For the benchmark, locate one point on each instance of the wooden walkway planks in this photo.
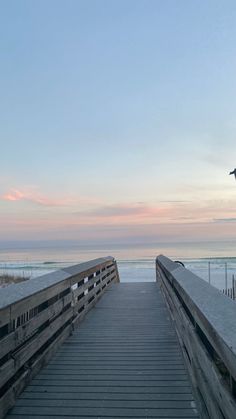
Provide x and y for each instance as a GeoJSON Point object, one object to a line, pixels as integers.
{"type": "Point", "coordinates": [124, 361]}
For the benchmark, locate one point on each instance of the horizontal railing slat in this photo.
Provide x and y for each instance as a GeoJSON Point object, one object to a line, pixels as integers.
{"type": "Point", "coordinates": [38, 287]}
{"type": "Point", "coordinates": [14, 339]}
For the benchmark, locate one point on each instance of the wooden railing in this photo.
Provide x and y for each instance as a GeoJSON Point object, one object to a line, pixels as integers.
{"type": "Point", "coordinates": [37, 315]}
{"type": "Point", "coordinates": [205, 321]}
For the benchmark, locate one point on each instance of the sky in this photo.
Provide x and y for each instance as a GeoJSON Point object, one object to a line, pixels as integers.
{"type": "Point", "coordinates": [117, 120]}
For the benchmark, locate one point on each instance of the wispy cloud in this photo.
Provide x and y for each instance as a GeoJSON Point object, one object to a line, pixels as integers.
{"type": "Point", "coordinates": [124, 210]}
{"type": "Point", "coordinates": [175, 202]}
{"type": "Point", "coordinates": [117, 211]}
{"type": "Point", "coordinates": [224, 220]}
{"type": "Point", "coordinates": [32, 196]}
{"type": "Point", "coordinates": [13, 195]}
{"type": "Point", "coordinates": [91, 218]}
{"type": "Point", "coordinates": [171, 212]}
{"type": "Point", "coordinates": [130, 212]}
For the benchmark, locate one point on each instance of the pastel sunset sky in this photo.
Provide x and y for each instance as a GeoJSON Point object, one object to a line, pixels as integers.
{"type": "Point", "coordinates": [118, 120]}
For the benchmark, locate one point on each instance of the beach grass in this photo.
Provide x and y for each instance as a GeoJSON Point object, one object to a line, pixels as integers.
{"type": "Point", "coordinates": [6, 279]}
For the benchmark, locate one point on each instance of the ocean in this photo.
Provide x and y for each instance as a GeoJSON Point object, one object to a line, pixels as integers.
{"type": "Point", "coordinates": [136, 262]}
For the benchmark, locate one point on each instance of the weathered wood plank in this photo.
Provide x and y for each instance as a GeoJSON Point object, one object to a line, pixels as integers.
{"type": "Point", "coordinates": [101, 403]}
{"type": "Point", "coordinates": [88, 267]}
{"type": "Point", "coordinates": [85, 417]}
{"type": "Point", "coordinates": [5, 317]}
{"type": "Point", "coordinates": [30, 294]}
{"type": "Point", "coordinates": [7, 370]}
{"type": "Point", "coordinates": [84, 287]}
{"type": "Point", "coordinates": [124, 383]}
{"type": "Point", "coordinates": [95, 367]}
{"type": "Point", "coordinates": [14, 339]}
{"type": "Point", "coordinates": [37, 395]}
{"type": "Point", "coordinates": [104, 412]}
{"type": "Point", "coordinates": [114, 364]}
{"type": "Point", "coordinates": [115, 389]}
{"type": "Point", "coordinates": [80, 417]}
{"type": "Point", "coordinates": [151, 377]}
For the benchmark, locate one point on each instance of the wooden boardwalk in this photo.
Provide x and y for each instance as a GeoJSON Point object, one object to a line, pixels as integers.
{"type": "Point", "coordinates": [124, 361]}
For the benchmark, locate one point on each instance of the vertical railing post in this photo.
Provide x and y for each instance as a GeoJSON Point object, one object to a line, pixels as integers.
{"type": "Point", "coordinates": [209, 272]}
{"type": "Point", "coordinates": [226, 277]}
{"type": "Point", "coordinates": [233, 287]}
{"type": "Point", "coordinates": [117, 272]}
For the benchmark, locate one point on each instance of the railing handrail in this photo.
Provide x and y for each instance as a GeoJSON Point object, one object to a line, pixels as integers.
{"type": "Point", "coordinates": [14, 293]}
{"type": "Point", "coordinates": [214, 313]}
{"type": "Point", "coordinates": [205, 322]}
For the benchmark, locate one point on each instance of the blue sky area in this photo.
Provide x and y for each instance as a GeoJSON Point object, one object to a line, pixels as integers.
{"type": "Point", "coordinates": [117, 119]}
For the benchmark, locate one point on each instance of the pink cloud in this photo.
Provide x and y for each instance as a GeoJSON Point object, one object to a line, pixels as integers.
{"type": "Point", "coordinates": [172, 212]}
{"type": "Point", "coordinates": [14, 195]}
{"type": "Point", "coordinates": [32, 196]}
{"type": "Point", "coordinates": [133, 213]}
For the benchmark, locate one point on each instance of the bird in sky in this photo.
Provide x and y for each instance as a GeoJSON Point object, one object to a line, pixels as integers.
{"type": "Point", "coordinates": [233, 173]}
